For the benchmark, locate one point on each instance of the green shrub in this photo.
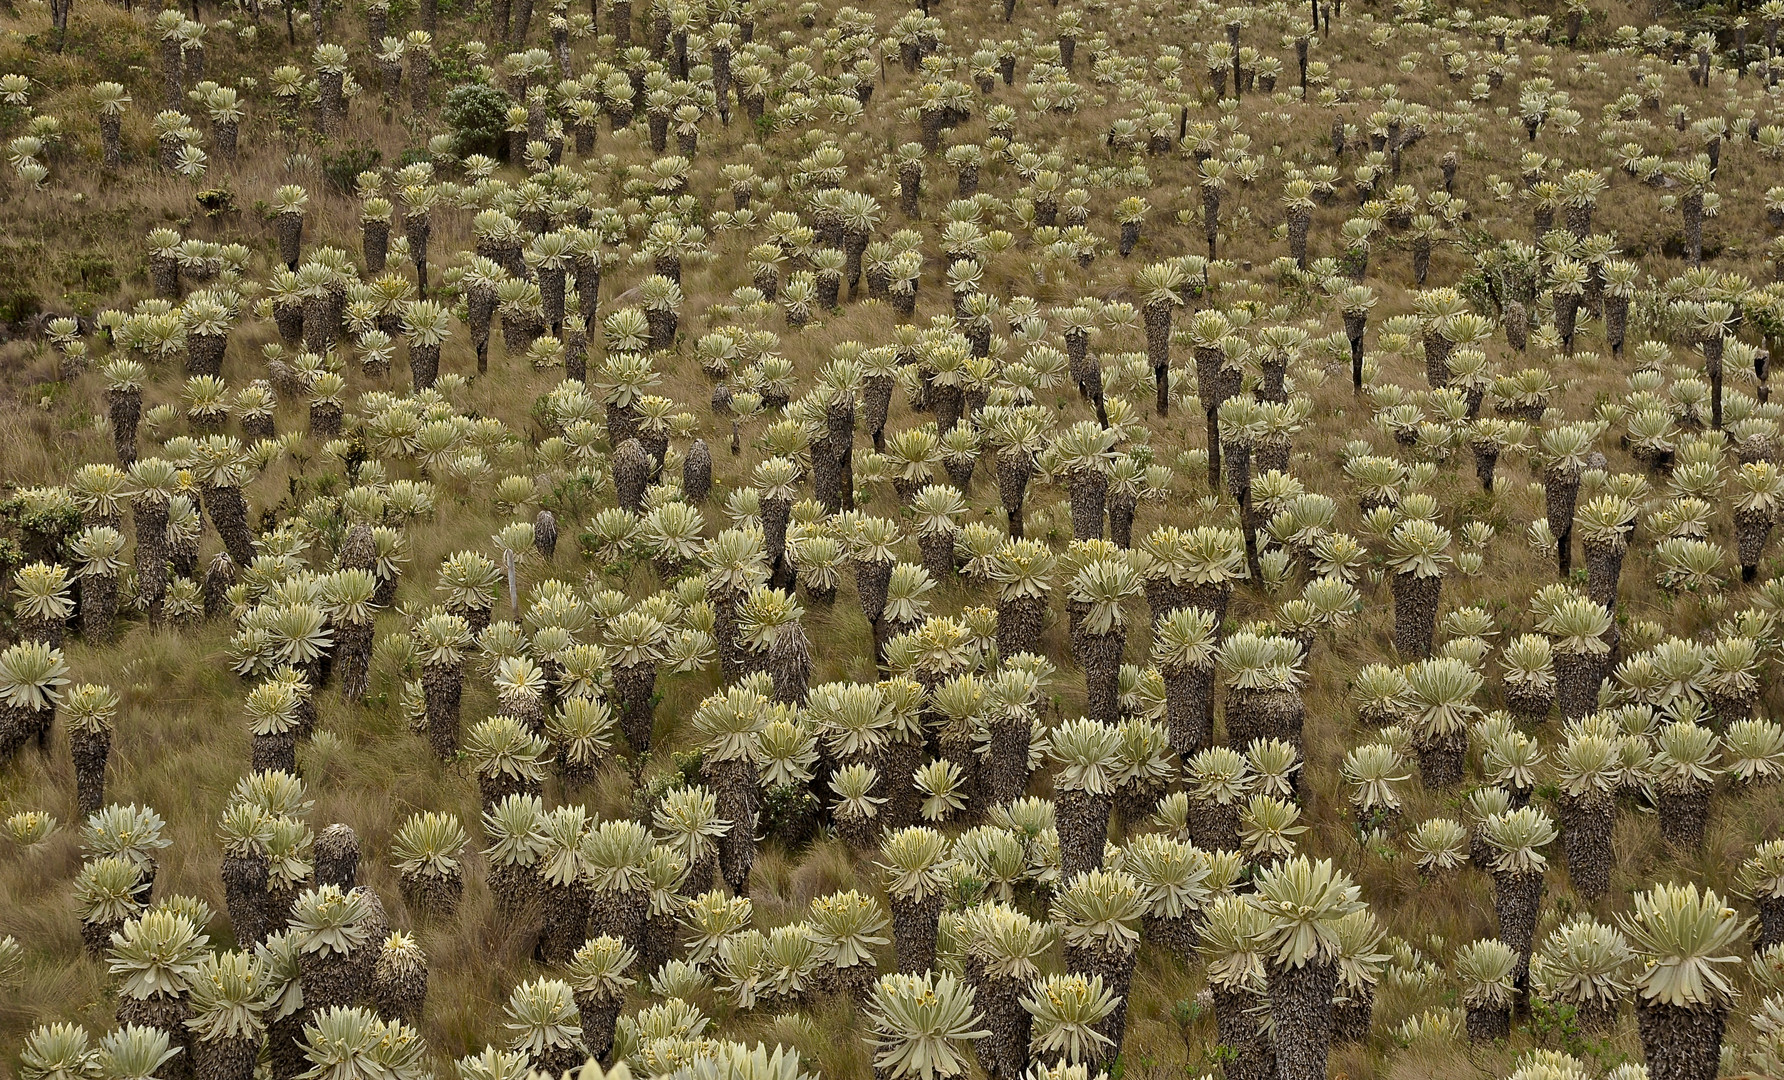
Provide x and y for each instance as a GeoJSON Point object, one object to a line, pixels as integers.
{"type": "Point", "coordinates": [87, 280]}
{"type": "Point", "coordinates": [341, 170]}
{"type": "Point", "coordinates": [788, 813]}
{"type": "Point", "coordinates": [477, 116]}
{"type": "Point", "coordinates": [18, 294]}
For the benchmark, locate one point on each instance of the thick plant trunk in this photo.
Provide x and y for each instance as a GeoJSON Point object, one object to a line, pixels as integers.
{"type": "Point", "coordinates": [904, 803]}
{"type": "Point", "coordinates": [1577, 676]}
{"type": "Point", "coordinates": [914, 925]}
{"type": "Point", "coordinates": [434, 894]}
{"type": "Point", "coordinates": [1089, 496]}
{"type": "Point", "coordinates": [244, 893]}
{"type": "Point", "coordinates": [623, 915]}
{"type": "Point", "coordinates": [1681, 1043]}
{"type": "Point", "coordinates": [99, 606]}
{"type": "Point", "coordinates": [1415, 614]}
{"type": "Point", "coordinates": [424, 365]}
{"type": "Point", "coordinates": [515, 889]}
{"type": "Point", "coordinates": [1683, 816]}
{"type": "Point", "coordinates": [1351, 1019]}
{"type": "Point", "coordinates": [125, 408]}
{"type": "Point", "coordinates": [1604, 566]}
{"type": "Point", "coordinates": [274, 752]}
{"type": "Point", "coordinates": [1587, 825]}
{"type": "Point", "coordinates": [1213, 826]}
{"type": "Point", "coordinates": [226, 1058]}
{"type": "Point", "coordinates": [228, 512]}
{"type": "Point", "coordinates": [1443, 760]}
{"type": "Point", "coordinates": [1013, 474]}
{"type": "Point", "coordinates": [441, 685]}
{"type": "Point", "coordinates": [1189, 708]}
{"type": "Point", "coordinates": [1487, 1024]}
{"type": "Point", "coordinates": [1240, 1029]}
{"type": "Point", "coordinates": [1006, 771]}
{"type": "Point", "coordinates": [353, 649]}
{"type": "Point", "coordinates": [1301, 1009]}
{"type": "Point", "coordinates": [566, 921]}
{"type": "Point", "coordinates": [90, 751]}
{"type": "Point", "coordinates": [1561, 490]}
{"type": "Point", "coordinates": [168, 1013]}
{"type": "Point", "coordinates": [1004, 1054]}
{"type": "Point", "coordinates": [1751, 529]}
{"type": "Point", "coordinates": [599, 1015]}
{"type": "Point", "coordinates": [737, 786]}
{"type": "Point", "coordinates": [1179, 936]}
{"type": "Point", "coordinates": [871, 582]}
{"type": "Point", "coordinates": [1100, 657]}
{"type": "Point", "coordinates": [1769, 930]}
{"type": "Point", "coordinates": [1019, 621]}
{"type": "Point", "coordinates": [1517, 897]}
{"type": "Point", "coordinates": [149, 514]}
{"type": "Point", "coordinates": [1083, 823]}
{"type": "Point", "coordinates": [1122, 508]}
{"type": "Point", "coordinates": [636, 684]}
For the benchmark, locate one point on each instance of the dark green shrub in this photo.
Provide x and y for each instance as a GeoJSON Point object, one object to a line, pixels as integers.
{"type": "Point", "coordinates": [46, 533]}
{"type": "Point", "coordinates": [788, 813]}
{"type": "Point", "coordinates": [86, 279]}
{"type": "Point", "coordinates": [18, 292]}
{"type": "Point", "coordinates": [342, 169]}
{"type": "Point", "coordinates": [477, 116]}
{"type": "Point", "coordinates": [217, 202]}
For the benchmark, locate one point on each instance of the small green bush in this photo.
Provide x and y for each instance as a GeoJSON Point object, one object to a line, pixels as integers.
{"type": "Point", "coordinates": [341, 170]}
{"type": "Point", "coordinates": [87, 272]}
{"type": "Point", "coordinates": [790, 815]}
{"type": "Point", "coordinates": [477, 116]}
